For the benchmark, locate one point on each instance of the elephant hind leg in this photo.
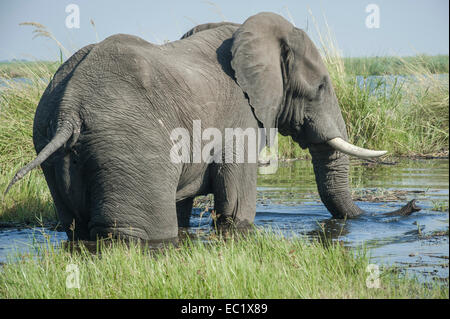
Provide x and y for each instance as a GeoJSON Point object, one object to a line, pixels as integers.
{"type": "Point", "coordinates": [133, 217]}
{"type": "Point", "coordinates": [134, 203]}
{"type": "Point", "coordinates": [75, 227]}
{"type": "Point", "coordinates": [184, 211]}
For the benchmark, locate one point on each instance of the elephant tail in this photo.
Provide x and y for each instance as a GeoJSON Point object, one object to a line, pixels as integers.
{"type": "Point", "coordinates": [63, 134]}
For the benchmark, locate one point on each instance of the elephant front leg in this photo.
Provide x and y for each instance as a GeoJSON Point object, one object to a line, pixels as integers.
{"type": "Point", "coordinates": [235, 195]}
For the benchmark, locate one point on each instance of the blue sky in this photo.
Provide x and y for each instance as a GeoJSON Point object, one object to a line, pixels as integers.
{"type": "Point", "coordinates": [406, 27]}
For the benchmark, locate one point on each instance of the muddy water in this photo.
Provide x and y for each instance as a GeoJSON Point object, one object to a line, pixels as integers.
{"type": "Point", "coordinates": [288, 202]}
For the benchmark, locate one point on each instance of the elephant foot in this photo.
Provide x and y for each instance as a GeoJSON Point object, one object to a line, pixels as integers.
{"type": "Point", "coordinates": [227, 227]}
{"type": "Point", "coordinates": [406, 210]}
{"type": "Point", "coordinates": [96, 246]}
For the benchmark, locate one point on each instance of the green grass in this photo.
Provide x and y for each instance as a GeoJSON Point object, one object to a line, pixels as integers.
{"type": "Point", "coordinates": [262, 265]}
{"type": "Point", "coordinates": [440, 206]}
{"type": "Point", "coordinates": [30, 198]}
{"type": "Point", "coordinates": [22, 69]}
{"type": "Point", "coordinates": [382, 65]}
{"type": "Point", "coordinates": [409, 119]}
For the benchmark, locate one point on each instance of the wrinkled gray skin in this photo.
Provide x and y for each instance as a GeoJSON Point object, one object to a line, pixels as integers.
{"type": "Point", "coordinates": [105, 122]}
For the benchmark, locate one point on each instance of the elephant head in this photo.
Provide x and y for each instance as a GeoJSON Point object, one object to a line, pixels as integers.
{"type": "Point", "coordinates": [288, 87]}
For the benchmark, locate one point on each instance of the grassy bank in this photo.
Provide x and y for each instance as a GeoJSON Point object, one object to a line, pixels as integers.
{"type": "Point", "coordinates": [259, 266]}
{"type": "Point", "coordinates": [365, 66]}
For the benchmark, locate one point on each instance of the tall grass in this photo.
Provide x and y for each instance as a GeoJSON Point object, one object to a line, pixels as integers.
{"type": "Point", "coordinates": [18, 100]}
{"type": "Point", "coordinates": [262, 265]}
{"type": "Point", "coordinates": [408, 117]}
{"type": "Point", "coordinates": [23, 69]}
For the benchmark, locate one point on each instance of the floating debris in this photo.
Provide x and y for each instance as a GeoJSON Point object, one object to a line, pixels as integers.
{"type": "Point", "coordinates": [382, 195]}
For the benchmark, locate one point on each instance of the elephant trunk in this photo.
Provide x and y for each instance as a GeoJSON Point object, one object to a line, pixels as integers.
{"type": "Point", "coordinates": [331, 169]}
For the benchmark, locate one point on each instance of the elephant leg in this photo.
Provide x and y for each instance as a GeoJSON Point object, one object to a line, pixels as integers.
{"type": "Point", "coordinates": [73, 225]}
{"type": "Point", "coordinates": [235, 194]}
{"type": "Point", "coordinates": [138, 204]}
{"type": "Point", "coordinates": [184, 211]}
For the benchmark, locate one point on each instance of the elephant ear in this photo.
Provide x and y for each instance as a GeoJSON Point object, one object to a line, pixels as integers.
{"type": "Point", "coordinates": [258, 54]}
{"type": "Point", "coordinates": [206, 26]}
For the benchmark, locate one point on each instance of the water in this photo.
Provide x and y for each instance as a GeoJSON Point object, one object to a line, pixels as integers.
{"type": "Point", "coordinates": [14, 242]}
{"type": "Point", "coordinates": [5, 83]}
{"type": "Point", "coordinates": [381, 85]}
{"type": "Point", "coordinates": [375, 84]}
{"type": "Point", "coordinates": [288, 202]}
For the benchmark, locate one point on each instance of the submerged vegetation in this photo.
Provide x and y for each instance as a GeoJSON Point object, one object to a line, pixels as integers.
{"type": "Point", "coordinates": [261, 265]}
{"type": "Point", "coordinates": [440, 206]}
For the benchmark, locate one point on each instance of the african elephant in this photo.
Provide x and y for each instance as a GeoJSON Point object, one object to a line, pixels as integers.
{"type": "Point", "coordinates": [102, 127]}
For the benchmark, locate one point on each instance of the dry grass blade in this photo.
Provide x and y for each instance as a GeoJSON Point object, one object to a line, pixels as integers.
{"type": "Point", "coordinates": [41, 31]}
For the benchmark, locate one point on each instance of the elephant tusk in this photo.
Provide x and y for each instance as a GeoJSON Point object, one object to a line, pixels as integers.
{"type": "Point", "coordinates": [345, 147]}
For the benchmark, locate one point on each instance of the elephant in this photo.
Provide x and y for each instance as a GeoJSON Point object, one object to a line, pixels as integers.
{"type": "Point", "coordinates": [102, 127]}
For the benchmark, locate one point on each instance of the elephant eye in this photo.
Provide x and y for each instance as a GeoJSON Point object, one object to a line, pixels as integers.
{"type": "Point", "coordinates": [320, 90]}
{"type": "Point", "coordinates": [321, 87]}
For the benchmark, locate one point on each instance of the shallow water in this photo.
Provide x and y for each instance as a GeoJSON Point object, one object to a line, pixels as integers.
{"type": "Point", "coordinates": [381, 85]}
{"type": "Point", "coordinates": [288, 202]}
